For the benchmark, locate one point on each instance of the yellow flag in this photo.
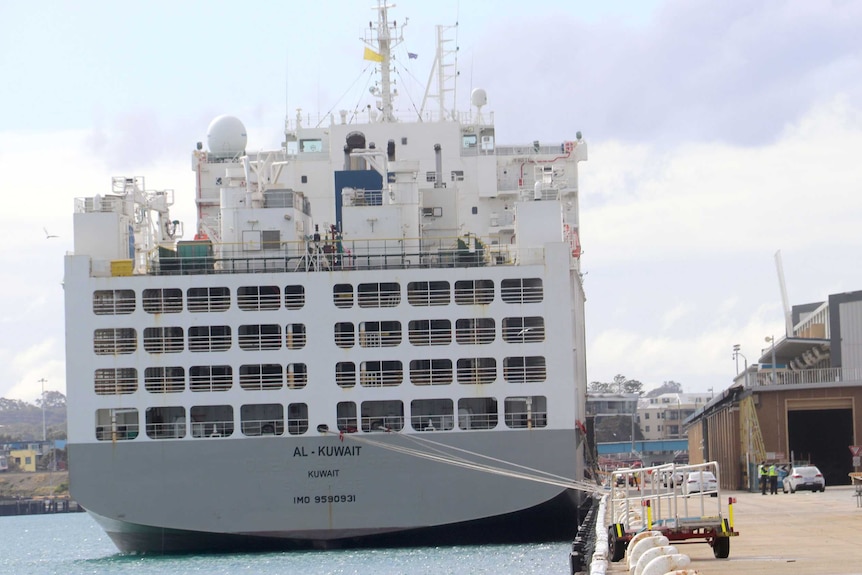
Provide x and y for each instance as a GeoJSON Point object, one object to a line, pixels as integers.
{"type": "Point", "coordinates": [372, 55]}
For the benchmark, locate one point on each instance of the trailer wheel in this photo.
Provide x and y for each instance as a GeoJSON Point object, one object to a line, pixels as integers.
{"type": "Point", "coordinates": [721, 547]}
{"type": "Point", "coordinates": [617, 546]}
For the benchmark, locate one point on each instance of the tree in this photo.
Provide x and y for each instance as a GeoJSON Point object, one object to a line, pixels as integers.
{"type": "Point", "coordinates": [12, 405]}
{"type": "Point", "coordinates": [52, 460]}
{"type": "Point", "coordinates": [22, 421]}
{"type": "Point", "coordinates": [666, 387]}
{"type": "Point", "coordinates": [620, 384]}
{"type": "Point", "coordinates": [53, 400]}
{"type": "Point", "coordinates": [599, 387]}
{"type": "Point", "coordinates": [628, 385]}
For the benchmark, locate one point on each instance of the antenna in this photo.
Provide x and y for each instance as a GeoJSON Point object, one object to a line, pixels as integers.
{"type": "Point", "coordinates": [286, 87]}
{"type": "Point", "coordinates": [788, 321]}
{"type": "Point", "coordinates": [457, 72]}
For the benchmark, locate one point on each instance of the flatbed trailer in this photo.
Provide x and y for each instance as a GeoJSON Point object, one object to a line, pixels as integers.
{"type": "Point", "coordinates": [663, 499]}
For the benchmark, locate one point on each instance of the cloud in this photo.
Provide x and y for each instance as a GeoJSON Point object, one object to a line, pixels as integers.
{"type": "Point", "coordinates": [23, 369]}
{"type": "Point", "coordinates": [733, 72]}
{"type": "Point", "coordinates": [680, 247]}
{"type": "Point", "coordinates": [697, 359]}
{"type": "Point", "coordinates": [719, 133]}
{"type": "Point", "coordinates": [672, 316]}
{"type": "Point", "coordinates": [710, 199]}
{"type": "Point", "coordinates": [41, 175]}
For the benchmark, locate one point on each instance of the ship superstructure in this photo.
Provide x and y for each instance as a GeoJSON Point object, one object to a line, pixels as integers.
{"type": "Point", "coordinates": [361, 323]}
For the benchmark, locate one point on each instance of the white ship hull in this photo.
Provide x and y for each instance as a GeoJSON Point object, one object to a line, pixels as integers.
{"type": "Point", "coordinates": [282, 494]}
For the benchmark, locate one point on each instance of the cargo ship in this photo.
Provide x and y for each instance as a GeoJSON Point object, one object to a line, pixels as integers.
{"type": "Point", "coordinates": [372, 335]}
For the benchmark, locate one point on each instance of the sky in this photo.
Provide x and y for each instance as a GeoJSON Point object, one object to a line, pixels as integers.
{"type": "Point", "coordinates": [720, 132]}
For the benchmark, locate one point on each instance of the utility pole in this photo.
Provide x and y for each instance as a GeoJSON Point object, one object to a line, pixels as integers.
{"type": "Point", "coordinates": [43, 381]}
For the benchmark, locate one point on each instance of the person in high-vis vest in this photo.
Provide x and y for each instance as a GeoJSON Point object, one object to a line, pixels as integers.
{"type": "Point", "coordinates": [773, 479]}
{"type": "Point", "coordinates": [763, 472]}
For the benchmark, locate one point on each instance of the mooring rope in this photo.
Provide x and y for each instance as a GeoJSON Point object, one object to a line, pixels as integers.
{"type": "Point", "coordinates": [438, 452]}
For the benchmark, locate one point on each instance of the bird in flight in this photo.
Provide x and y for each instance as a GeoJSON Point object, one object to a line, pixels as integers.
{"type": "Point", "coordinates": [47, 235]}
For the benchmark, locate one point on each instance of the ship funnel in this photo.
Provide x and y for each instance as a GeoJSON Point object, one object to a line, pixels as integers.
{"type": "Point", "coordinates": [355, 141]}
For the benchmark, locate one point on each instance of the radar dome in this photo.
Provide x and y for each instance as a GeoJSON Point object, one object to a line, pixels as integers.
{"type": "Point", "coordinates": [226, 137]}
{"type": "Point", "coordinates": [478, 97]}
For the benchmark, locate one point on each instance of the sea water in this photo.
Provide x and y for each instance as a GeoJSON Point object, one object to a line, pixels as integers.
{"type": "Point", "coordinates": [73, 544]}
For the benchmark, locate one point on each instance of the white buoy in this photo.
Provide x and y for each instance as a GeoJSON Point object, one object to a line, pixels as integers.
{"type": "Point", "coordinates": [665, 563]}
{"type": "Point", "coordinates": [649, 555]}
{"type": "Point", "coordinates": [636, 550]}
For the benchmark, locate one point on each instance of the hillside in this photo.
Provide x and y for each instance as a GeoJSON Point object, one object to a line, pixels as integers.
{"type": "Point", "coordinates": [22, 421]}
{"type": "Point", "coordinates": [26, 485]}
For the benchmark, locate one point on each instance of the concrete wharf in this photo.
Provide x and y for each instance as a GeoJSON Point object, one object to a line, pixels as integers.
{"type": "Point", "coordinates": [804, 533]}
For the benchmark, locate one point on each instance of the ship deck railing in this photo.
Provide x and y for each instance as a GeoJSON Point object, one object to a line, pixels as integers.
{"type": "Point", "coordinates": [116, 433]}
{"type": "Point", "coordinates": [172, 430]}
{"type": "Point", "coordinates": [212, 428]}
{"type": "Point", "coordinates": [830, 376]}
{"type": "Point", "coordinates": [206, 257]}
{"type": "Point", "coordinates": [361, 116]}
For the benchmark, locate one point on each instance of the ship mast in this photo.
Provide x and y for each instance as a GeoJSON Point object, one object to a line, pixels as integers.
{"type": "Point", "coordinates": [446, 73]}
{"type": "Point", "coordinates": [382, 44]}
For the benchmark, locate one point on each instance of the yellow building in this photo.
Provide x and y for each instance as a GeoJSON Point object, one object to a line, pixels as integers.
{"type": "Point", "coordinates": [24, 458]}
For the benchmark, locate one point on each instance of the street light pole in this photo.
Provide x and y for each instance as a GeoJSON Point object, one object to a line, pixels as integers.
{"type": "Point", "coordinates": [44, 434]}
{"type": "Point", "coordinates": [736, 354]}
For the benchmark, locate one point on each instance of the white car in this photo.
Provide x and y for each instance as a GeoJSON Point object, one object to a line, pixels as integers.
{"type": "Point", "coordinates": [701, 481]}
{"type": "Point", "coordinates": [804, 477]}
